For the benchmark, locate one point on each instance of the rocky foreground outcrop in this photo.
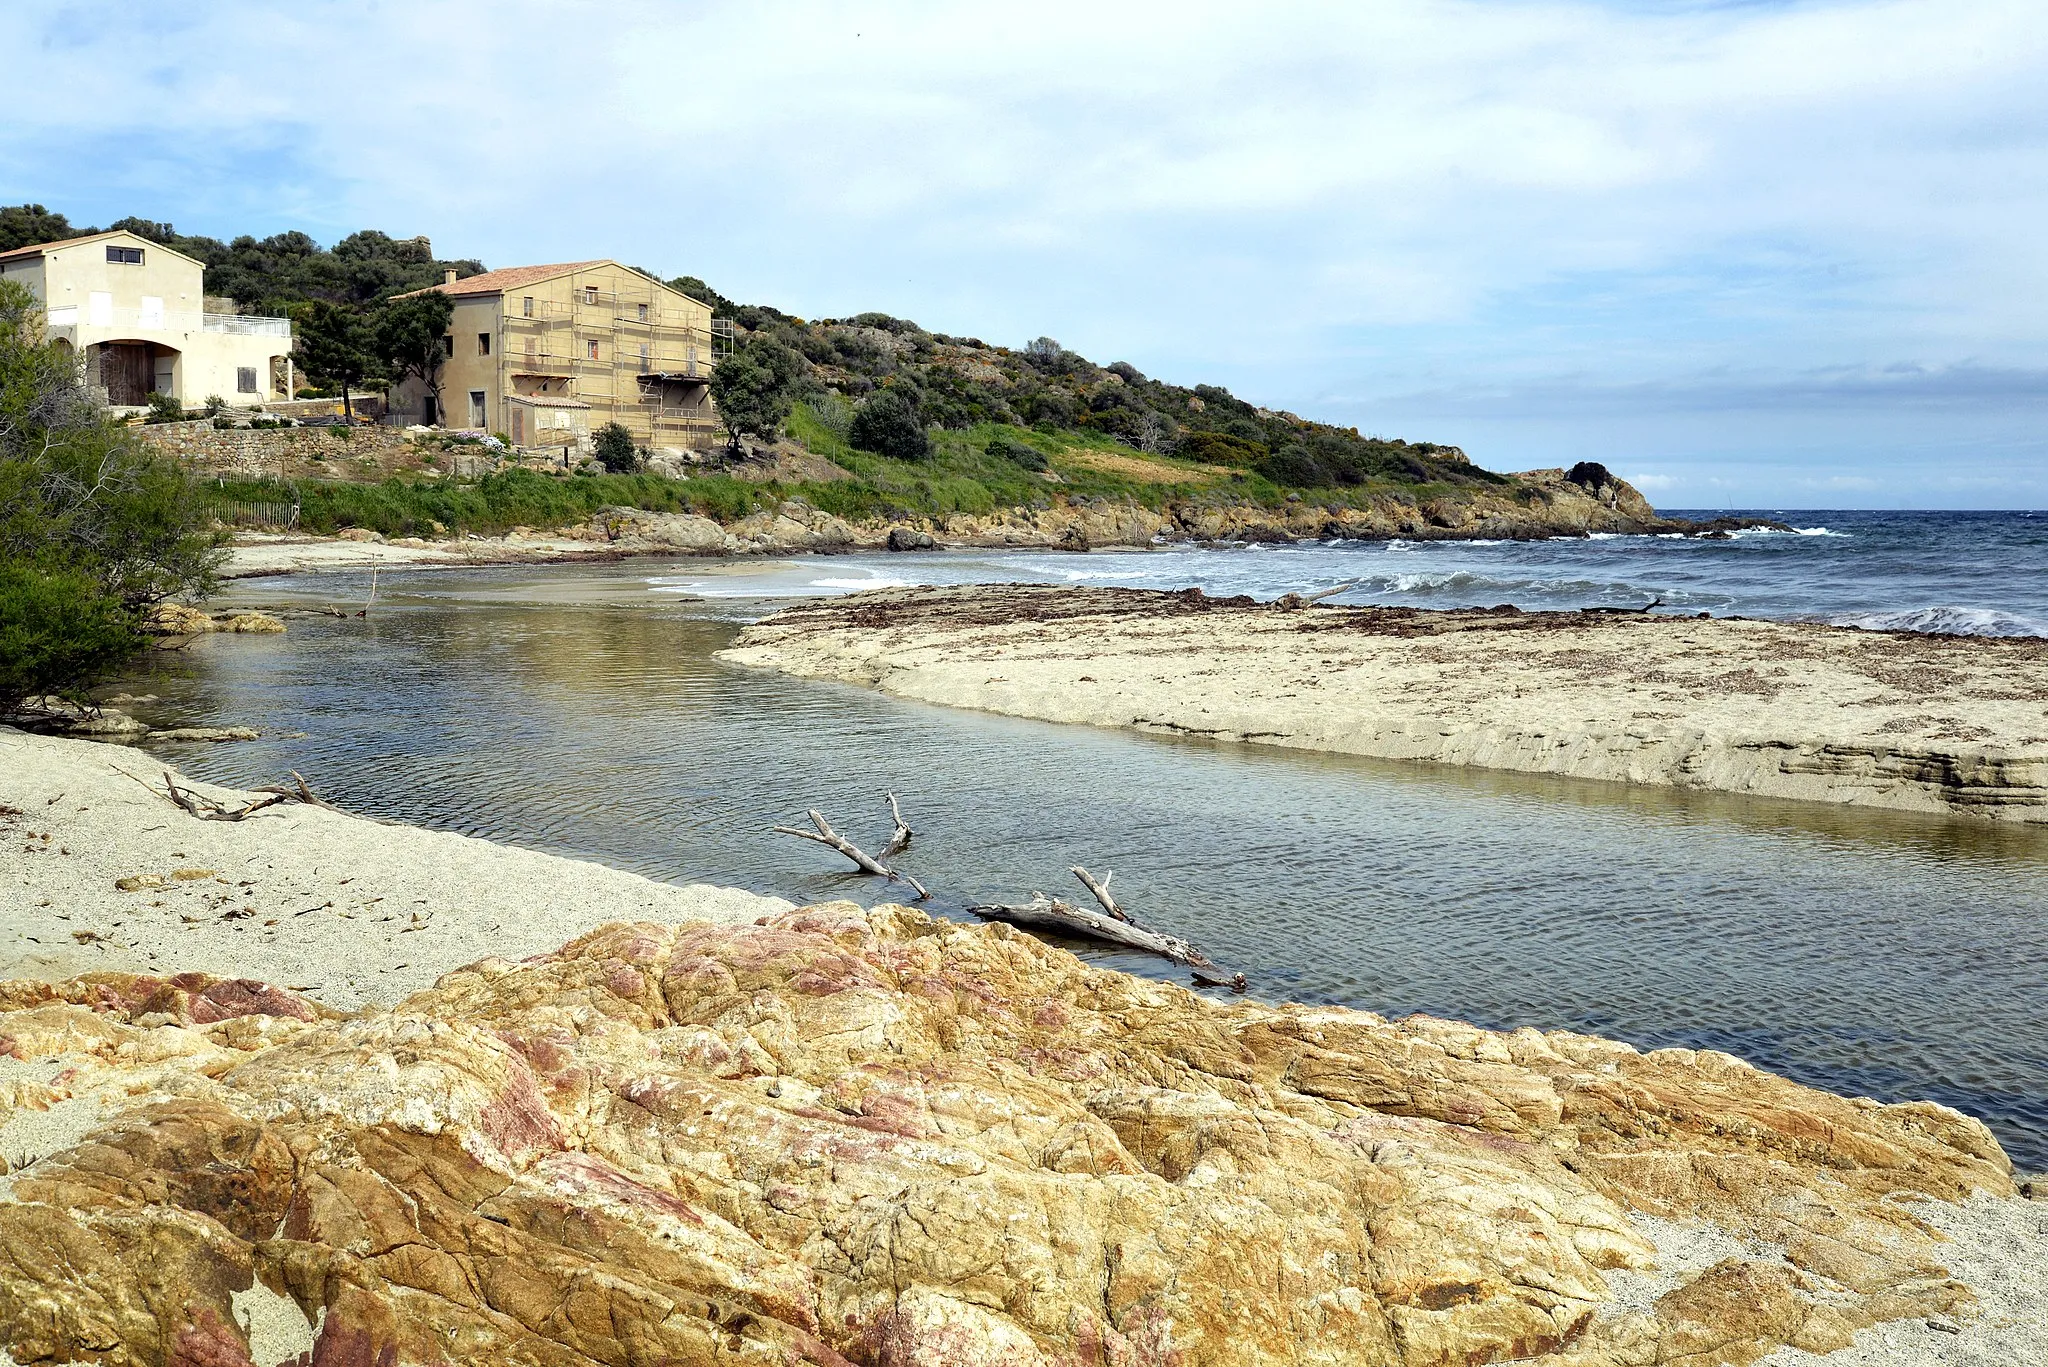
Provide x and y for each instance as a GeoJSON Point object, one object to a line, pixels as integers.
{"type": "Point", "coordinates": [873, 1137]}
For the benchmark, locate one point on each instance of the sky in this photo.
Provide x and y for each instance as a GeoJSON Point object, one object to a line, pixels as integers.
{"type": "Point", "coordinates": [1747, 254]}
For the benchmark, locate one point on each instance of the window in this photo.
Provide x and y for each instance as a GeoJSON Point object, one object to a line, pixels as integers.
{"type": "Point", "coordinates": [526, 307]}
{"type": "Point", "coordinates": [125, 256]}
{"type": "Point", "coordinates": [245, 379]}
{"type": "Point", "coordinates": [643, 313]}
{"type": "Point", "coordinates": [448, 343]}
{"type": "Point", "coordinates": [476, 408]}
{"type": "Point", "coordinates": [483, 344]}
{"type": "Point", "coordinates": [531, 342]}
{"type": "Point", "coordinates": [590, 294]}
{"type": "Point", "coordinates": [592, 345]}
{"type": "Point", "coordinates": [152, 313]}
{"type": "Point", "coordinates": [644, 358]}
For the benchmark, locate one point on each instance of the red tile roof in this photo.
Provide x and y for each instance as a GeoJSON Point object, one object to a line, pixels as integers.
{"type": "Point", "coordinates": [510, 278]}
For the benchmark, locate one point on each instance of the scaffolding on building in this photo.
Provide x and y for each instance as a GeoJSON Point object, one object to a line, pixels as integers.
{"type": "Point", "coordinates": [622, 352]}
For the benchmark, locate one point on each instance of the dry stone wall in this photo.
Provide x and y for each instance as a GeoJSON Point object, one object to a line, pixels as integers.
{"type": "Point", "coordinates": [247, 453]}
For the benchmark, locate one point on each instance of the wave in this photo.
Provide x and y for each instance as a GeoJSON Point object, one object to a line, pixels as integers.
{"type": "Point", "coordinates": [878, 581]}
{"type": "Point", "coordinates": [1946, 620]}
{"type": "Point", "coordinates": [1796, 531]}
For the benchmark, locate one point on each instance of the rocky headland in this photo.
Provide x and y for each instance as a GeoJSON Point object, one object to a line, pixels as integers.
{"type": "Point", "coordinates": [1543, 504]}
{"type": "Point", "coordinates": [1949, 724]}
{"type": "Point", "coordinates": [308, 1088]}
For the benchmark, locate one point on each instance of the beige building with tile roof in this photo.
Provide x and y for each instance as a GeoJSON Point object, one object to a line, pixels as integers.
{"type": "Point", "coordinates": [135, 313]}
{"type": "Point", "coordinates": [543, 355]}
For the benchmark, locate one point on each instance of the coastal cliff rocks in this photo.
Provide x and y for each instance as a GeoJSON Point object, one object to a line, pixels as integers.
{"type": "Point", "coordinates": [872, 1137]}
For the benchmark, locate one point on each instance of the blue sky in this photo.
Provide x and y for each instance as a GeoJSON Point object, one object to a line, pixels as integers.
{"type": "Point", "coordinates": [1757, 254]}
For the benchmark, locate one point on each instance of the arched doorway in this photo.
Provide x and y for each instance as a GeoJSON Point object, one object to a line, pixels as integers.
{"type": "Point", "coordinates": [132, 371]}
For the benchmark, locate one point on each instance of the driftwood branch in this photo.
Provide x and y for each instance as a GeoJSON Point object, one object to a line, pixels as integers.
{"type": "Point", "coordinates": [1321, 594]}
{"type": "Point", "coordinates": [1656, 602]}
{"type": "Point", "coordinates": [299, 791]}
{"type": "Point", "coordinates": [899, 839]}
{"type": "Point", "coordinates": [1050, 913]}
{"type": "Point", "coordinates": [832, 839]}
{"type": "Point", "coordinates": [1101, 892]}
{"type": "Point", "coordinates": [206, 809]}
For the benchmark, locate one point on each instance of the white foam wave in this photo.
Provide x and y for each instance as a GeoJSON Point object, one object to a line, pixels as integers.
{"type": "Point", "coordinates": [879, 581]}
{"type": "Point", "coordinates": [1796, 531]}
{"type": "Point", "coordinates": [1947, 620]}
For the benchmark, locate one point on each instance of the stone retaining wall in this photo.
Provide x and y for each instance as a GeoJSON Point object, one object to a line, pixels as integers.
{"type": "Point", "coordinates": [284, 452]}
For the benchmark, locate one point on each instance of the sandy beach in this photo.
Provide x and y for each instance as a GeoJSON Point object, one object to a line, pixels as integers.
{"type": "Point", "coordinates": [1946, 724]}
{"type": "Point", "coordinates": [348, 910]}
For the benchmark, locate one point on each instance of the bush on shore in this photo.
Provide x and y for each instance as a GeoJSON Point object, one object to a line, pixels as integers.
{"type": "Point", "coordinates": [94, 527]}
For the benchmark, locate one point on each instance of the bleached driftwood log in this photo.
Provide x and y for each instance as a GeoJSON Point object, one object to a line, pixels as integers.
{"type": "Point", "coordinates": [832, 839]}
{"type": "Point", "coordinates": [1100, 889]}
{"type": "Point", "coordinates": [1052, 913]}
{"type": "Point", "coordinates": [899, 839]}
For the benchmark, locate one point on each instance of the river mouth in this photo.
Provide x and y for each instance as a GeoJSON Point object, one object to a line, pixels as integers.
{"type": "Point", "coordinates": [581, 710]}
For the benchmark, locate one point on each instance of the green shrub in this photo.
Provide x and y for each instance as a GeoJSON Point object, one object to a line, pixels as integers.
{"type": "Point", "coordinates": [615, 450]}
{"type": "Point", "coordinates": [888, 425]}
{"type": "Point", "coordinates": [164, 408]}
{"type": "Point", "coordinates": [94, 527]}
{"type": "Point", "coordinates": [215, 405]}
{"type": "Point", "coordinates": [1018, 453]}
{"type": "Point", "coordinates": [1219, 448]}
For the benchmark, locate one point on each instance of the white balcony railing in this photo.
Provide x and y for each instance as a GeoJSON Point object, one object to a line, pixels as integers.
{"type": "Point", "coordinates": [245, 325]}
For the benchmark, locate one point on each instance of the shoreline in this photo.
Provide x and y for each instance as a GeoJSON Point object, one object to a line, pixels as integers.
{"type": "Point", "coordinates": [796, 527]}
{"type": "Point", "coordinates": [700, 1094]}
{"type": "Point", "coordinates": [296, 895]}
{"type": "Point", "coordinates": [1932, 724]}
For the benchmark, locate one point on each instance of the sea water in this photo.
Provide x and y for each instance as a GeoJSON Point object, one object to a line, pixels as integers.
{"type": "Point", "coordinates": [580, 709]}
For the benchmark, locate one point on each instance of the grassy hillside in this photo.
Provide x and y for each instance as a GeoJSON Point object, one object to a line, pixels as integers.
{"type": "Point", "coordinates": [980, 469]}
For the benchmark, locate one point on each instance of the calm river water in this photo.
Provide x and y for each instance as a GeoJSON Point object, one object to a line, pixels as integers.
{"type": "Point", "coordinates": [580, 710]}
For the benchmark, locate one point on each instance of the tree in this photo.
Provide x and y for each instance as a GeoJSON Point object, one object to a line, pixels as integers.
{"type": "Point", "coordinates": [28, 225]}
{"type": "Point", "coordinates": [336, 345]}
{"type": "Point", "coordinates": [720, 306]}
{"type": "Point", "coordinates": [94, 527]}
{"type": "Point", "coordinates": [888, 424]}
{"type": "Point", "coordinates": [412, 340]}
{"type": "Point", "coordinates": [755, 388]}
{"type": "Point", "coordinates": [614, 448]}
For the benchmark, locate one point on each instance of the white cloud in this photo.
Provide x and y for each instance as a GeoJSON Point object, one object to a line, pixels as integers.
{"type": "Point", "coordinates": [1304, 201]}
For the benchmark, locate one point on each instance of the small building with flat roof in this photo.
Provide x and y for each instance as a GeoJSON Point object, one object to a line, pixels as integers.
{"type": "Point", "coordinates": [134, 313]}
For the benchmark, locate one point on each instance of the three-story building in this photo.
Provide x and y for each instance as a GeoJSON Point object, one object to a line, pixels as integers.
{"type": "Point", "coordinates": [543, 354]}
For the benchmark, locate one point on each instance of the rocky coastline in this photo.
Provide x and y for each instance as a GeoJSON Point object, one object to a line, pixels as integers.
{"type": "Point", "coordinates": [593, 1119]}
{"type": "Point", "coordinates": [1544, 505]}
{"type": "Point", "coordinates": [1950, 725]}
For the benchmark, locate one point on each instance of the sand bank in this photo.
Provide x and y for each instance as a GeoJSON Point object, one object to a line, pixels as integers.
{"type": "Point", "coordinates": [1788, 710]}
{"type": "Point", "coordinates": [349, 910]}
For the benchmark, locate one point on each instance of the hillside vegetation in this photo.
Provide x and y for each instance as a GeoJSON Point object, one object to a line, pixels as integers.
{"type": "Point", "coordinates": [925, 424]}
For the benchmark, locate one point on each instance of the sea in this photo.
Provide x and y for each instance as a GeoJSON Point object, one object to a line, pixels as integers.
{"type": "Point", "coordinates": [581, 709]}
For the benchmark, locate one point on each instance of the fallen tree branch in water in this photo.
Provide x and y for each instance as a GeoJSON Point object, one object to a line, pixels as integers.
{"type": "Point", "coordinates": [899, 840]}
{"type": "Point", "coordinates": [1101, 892]}
{"type": "Point", "coordinates": [832, 839]}
{"type": "Point", "coordinates": [1051, 913]}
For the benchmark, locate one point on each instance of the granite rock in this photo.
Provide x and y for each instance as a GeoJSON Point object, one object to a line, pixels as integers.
{"type": "Point", "coordinates": [847, 1136]}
